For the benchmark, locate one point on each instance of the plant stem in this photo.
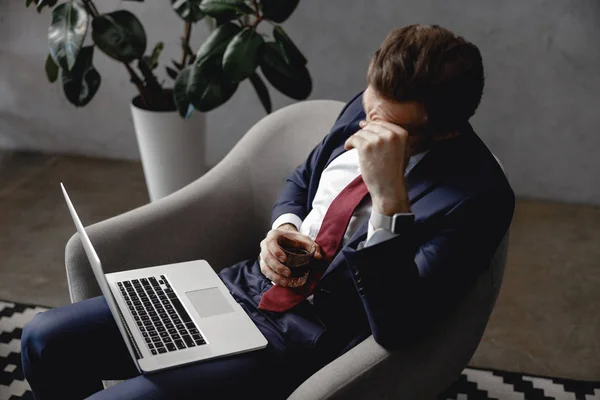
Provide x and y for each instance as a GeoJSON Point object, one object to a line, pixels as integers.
{"type": "Point", "coordinates": [91, 8]}
{"type": "Point", "coordinates": [137, 81]}
{"type": "Point", "coordinates": [259, 17]}
{"type": "Point", "coordinates": [151, 83]}
{"type": "Point", "coordinates": [258, 21]}
{"type": "Point", "coordinates": [186, 42]}
{"type": "Point", "coordinates": [156, 97]}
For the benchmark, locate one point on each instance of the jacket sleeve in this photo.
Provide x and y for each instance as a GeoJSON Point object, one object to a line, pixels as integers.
{"type": "Point", "coordinates": [293, 197]}
{"type": "Point", "coordinates": [409, 282]}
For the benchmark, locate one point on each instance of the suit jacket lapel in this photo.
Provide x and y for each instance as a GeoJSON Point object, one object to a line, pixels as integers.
{"type": "Point", "coordinates": [416, 190]}
{"type": "Point", "coordinates": [357, 237]}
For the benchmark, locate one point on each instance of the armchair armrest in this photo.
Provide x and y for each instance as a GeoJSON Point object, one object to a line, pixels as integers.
{"type": "Point", "coordinates": [369, 371]}
{"type": "Point", "coordinates": [424, 369]}
{"type": "Point", "coordinates": [200, 221]}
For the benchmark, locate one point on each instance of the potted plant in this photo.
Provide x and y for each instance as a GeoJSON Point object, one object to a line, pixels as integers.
{"type": "Point", "coordinates": [170, 135]}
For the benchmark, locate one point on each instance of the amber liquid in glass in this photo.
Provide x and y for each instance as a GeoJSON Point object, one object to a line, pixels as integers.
{"type": "Point", "coordinates": [298, 261]}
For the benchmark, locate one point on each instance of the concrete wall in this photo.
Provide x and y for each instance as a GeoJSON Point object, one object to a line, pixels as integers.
{"type": "Point", "coordinates": [539, 114]}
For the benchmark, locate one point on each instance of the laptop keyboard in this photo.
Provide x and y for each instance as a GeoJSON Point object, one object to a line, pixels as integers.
{"type": "Point", "coordinates": [159, 315]}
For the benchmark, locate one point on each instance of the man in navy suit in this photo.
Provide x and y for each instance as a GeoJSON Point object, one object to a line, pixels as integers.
{"type": "Point", "coordinates": [438, 206]}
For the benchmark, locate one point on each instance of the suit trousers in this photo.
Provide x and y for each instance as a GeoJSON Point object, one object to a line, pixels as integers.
{"type": "Point", "coordinates": [67, 351]}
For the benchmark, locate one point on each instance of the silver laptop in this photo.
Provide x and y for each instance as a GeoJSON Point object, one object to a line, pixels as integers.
{"type": "Point", "coordinates": [172, 315]}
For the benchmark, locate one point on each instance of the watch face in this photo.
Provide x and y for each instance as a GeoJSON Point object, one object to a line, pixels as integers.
{"type": "Point", "coordinates": [402, 221]}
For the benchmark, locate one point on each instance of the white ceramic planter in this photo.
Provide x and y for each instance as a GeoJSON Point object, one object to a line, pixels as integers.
{"type": "Point", "coordinates": [172, 149]}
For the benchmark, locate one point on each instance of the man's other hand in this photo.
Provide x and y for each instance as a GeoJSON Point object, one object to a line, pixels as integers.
{"type": "Point", "coordinates": [272, 258]}
{"type": "Point", "coordinates": [383, 155]}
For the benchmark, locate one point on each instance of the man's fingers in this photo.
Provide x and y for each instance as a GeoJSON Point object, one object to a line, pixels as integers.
{"type": "Point", "coordinates": [389, 126]}
{"type": "Point", "coordinates": [275, 265]}
{"type": "Point", "coordinates": [274, 248]}
{"type": "Point", "coordinates": [266, 271]}
{"type": "Point", "coordinates": [355, 141]}
{"type": "Point", "coordinates": [272, 275]}
{"type": "Point", "coordinates": [269, 244]}
{"type": "Point", "coordinates": [374, 136]}
{"type": "Point", "coordinates": [318, 255]}
{"type": "Point", "coordinates": [364, 140]}
{"type": "Point", "coordinates": [384, 126]}
{"type": "Point", "coordinates": [382, 130]}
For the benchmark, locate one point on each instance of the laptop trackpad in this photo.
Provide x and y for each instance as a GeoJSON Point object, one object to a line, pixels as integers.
{"type": "Point", "coordinates": [209, 302]}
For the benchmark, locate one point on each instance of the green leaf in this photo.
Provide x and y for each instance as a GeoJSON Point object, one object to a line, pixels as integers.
{"type": "Point", "coordinates": [225, 10]}
{"type": "Point", "coordinates": [291, 53]}
{"type": "Point", "coordinates": [261, 91]}
{"type": "Point", "coordinates": [152, 60]}
{"type": "Point", "coordinates": [51, 69]}
{"type": "Point", "coordinates": [180, 96]}
{"type": "Point", "coordinates": [217, 42]}
{"type": "Point", "coordinates": [241, 55]}
{"type": "Point", "coordinates": [172, 73]}
{"type": "Point", "coordinates": [43, 3]}
{"type": "Point", "coordinates": [81, 83]}
{"type": "Point", "coordinates": [28, 3]}
{"type": "Point", "coordinates": [66, 33]}
{"type": "Point", "coordinates": [278, 10]}
{"type": "Point", "coordinates": [293, 81]}
{"type": "Point", "coordinates": [120, 35]}
{"type": "Point", "coordinates": [271, 56]}
{"type": "Point", "coordinates": [208, 87]}
{"type": "Point", "coordinates": [189, 10]}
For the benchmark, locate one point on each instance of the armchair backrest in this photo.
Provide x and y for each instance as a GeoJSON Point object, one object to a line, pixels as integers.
{"type": "Point", "coordinates": [269, 152]}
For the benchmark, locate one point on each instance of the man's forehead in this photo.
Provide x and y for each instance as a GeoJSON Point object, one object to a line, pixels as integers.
{"type": "Point", "coordinates": [400, 113]}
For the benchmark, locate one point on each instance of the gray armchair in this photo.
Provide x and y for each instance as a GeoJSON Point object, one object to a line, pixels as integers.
{"type": "Point", "coordinates": [203, 221]}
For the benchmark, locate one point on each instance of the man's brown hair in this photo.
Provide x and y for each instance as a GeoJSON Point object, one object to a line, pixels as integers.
{"type": "Point", "coordinates": [430, 64]}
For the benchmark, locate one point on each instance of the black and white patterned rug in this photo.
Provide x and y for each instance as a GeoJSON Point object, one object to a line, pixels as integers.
{"type": "Point", "coordinates": [473, 384]}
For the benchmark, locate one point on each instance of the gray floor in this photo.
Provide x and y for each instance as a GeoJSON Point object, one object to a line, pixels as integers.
{"type": "Point", "coordinates": [547, 319]}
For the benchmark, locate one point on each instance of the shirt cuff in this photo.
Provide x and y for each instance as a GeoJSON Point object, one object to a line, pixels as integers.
{"type": "Point", "coordinates": [288, 218]}
{"type": "Point", "coordinates": [377, 236]}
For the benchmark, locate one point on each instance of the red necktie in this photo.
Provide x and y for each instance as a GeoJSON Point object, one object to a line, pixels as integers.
{"type": "Point", "coordinates": [329, 238]}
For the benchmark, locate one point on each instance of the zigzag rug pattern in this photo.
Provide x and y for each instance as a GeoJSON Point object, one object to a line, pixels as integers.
{"type": "Point", "coordinates": [473, 384]}
{"type": "Point", "coordinates": [13, 317]}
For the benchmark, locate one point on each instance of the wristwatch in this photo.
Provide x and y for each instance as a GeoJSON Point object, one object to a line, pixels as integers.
{"type": "Point", "coordinates": [396, 223]}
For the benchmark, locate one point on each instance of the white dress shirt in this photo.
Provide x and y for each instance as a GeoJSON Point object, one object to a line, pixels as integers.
{"type": "Point", "coordinates": [338, 174]}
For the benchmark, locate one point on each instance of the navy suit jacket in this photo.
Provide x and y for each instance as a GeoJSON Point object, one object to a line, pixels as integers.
{"type": "Point", "coordinates": [396, 289]}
